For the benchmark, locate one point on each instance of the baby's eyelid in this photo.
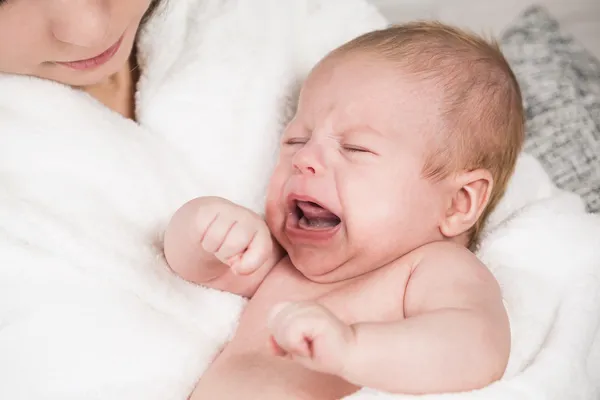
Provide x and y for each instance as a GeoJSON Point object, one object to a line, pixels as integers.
{"type": "Point", "coordinates": [358, 149]}
{"type": "Point", "coordinates": [355, 148]}
{"type": "Point", "coordinates": [295, 140]}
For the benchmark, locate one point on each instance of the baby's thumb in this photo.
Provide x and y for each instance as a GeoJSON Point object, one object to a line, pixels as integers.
{"type": "Point", "coordinates": [255, 256]}
{"type": "Point", "coordinates": [234, 263]}
{"type": "Point", "coordinates": [246, 265]}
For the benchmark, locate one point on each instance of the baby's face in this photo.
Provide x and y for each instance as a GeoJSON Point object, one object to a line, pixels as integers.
{"type": "Point", "coordinates": [347, 194]}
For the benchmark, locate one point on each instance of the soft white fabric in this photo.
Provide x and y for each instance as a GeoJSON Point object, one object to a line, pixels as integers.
{"type": "Point", "coordinates": [88, 308]}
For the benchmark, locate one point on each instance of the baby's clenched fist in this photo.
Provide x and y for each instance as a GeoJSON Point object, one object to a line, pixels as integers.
{"type": "Point", "coordinates": [310, 334]}
{"type": "Point", "coordinates": [235, 235]}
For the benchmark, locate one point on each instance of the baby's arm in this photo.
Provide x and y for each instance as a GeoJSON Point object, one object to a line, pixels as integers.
{"type": "Point", "coordinates": [216, 243]}
{"type": "Point", "coordinates": [455, 336]}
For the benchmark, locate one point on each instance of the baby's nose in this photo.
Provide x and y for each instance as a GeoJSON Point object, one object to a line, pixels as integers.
{"type": "Point", "coordinates": [309, 160]}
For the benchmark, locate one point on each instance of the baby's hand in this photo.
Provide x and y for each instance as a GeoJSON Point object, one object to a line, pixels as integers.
{"type": "Point", "coordinates": [310, 334]}
{"type": "Point", "coordinates": [235, 235]}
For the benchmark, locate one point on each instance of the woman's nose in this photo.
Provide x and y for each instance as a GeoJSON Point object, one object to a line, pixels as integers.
{"type": "Point", "coordinates": [84, 23]}
{"type": "Point", "coordinates": [309, 159]}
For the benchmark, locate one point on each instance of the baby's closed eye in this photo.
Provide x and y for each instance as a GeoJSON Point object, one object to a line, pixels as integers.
{"type": "Point", "coordinates": [360, 143]}
{"type": "Point", "coordinates": [295, 141]}
{"type": "Point", "coordinates": [356, 149]}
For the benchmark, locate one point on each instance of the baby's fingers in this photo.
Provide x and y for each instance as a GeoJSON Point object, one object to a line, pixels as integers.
{"type": "Point", "coordinates": [258, 252]}
{"type": "Point", "coordinates": [291, 333]}
{"type": "Point", "coordinates": [203, 221]}
{"type": "Point", "coordinates": [311, 335]}
{"type": "Point", "coordinates": [237, 240]}
{"type": "Point", "coordinates": [216, 233]}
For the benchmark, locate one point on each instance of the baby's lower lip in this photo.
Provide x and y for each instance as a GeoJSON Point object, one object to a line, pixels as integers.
{"type": "Point", "coordinates": [94, 62]}
{"type": "Point", "coordinates": [298, 235]}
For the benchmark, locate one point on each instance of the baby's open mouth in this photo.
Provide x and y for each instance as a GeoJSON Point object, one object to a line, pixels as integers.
{"type": "Point", "coordinates": [312, 216]}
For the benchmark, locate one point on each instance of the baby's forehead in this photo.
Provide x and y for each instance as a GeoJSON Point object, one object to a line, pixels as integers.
{"type": "Point", "coordinates": [358, 64]}
{"type": "Point", "coordinates": [371, 92]}
{"type": "Point", "coordinates": [371, 77]}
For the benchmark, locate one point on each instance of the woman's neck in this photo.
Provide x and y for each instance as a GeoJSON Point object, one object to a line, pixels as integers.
{"type": "Point", "coordinates": [117, 92]}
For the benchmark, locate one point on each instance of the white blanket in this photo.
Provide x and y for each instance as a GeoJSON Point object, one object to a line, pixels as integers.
{"type": "Point", "coordinates": [88, 308]}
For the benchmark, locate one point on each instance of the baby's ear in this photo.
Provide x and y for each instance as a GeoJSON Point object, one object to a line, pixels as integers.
{"type": "Point", "coordinates": [470, 194]}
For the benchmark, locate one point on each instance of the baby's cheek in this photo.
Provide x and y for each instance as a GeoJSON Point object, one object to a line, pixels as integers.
{"type": "Point", "coordinates": [273, 215]}
{"type": "Point", "coordinates": [275, 201]}
{"type": "Point", "coordinates": [377, 228]}
{"type": "Point", "coordinates": [275, 186]}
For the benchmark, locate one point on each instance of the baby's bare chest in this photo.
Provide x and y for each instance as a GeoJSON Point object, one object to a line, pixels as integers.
{"type": "Point", "coordinates": [374, 297]}
{"type": "Point", "coordinates": [247, 359]}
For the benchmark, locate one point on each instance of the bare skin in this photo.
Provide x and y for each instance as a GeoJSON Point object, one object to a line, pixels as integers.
{"type": "Point", "coordinates": [437, 303]}
{"type": "Point", "coordinates": [376, 290]}
{"type": "Point", "coordinates": [377, 353]}
{"type": "Point", "coordinates": [249, 360]}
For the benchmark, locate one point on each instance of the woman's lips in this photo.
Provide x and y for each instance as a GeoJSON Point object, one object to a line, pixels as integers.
{"type": "Point", "coordinates": [95, 61]}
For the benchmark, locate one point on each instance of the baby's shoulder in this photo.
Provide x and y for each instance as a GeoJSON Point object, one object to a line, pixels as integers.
{"type": "Point", "coordinates": [447, 273]}
{"type": "Point", "coordinates": [445, 255]}
{"type": "Point", "coordinates": [447, 265]}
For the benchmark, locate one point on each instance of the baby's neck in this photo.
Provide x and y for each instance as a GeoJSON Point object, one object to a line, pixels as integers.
{"type": "Point", "coordinates": [462, 239]}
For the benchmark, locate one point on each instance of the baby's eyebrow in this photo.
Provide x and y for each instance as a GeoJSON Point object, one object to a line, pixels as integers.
{"type": "Point", "coordinates": [361, 129]}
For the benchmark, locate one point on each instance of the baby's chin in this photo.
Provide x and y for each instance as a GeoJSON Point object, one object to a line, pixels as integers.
{"type": "Point", "coordinates": [310, 265]}
{"type": "Point", "coordinates": [318, 268]}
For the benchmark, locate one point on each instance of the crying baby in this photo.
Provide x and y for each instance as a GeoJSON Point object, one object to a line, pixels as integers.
{"type": "Point", "coordinates": [360, 275]}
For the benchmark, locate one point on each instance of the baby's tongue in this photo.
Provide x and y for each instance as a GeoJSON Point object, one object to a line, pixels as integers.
{"type": "Point", "coordinates": [316, 217]}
